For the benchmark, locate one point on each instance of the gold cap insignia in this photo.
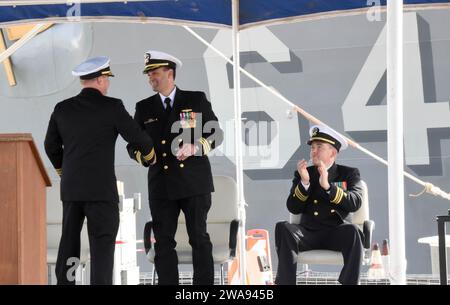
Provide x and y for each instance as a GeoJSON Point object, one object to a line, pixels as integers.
{"type": "Point", "coordinates": [315, 131]}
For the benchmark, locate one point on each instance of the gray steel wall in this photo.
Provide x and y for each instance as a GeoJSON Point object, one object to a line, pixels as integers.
{"type": "Point", "coordinates": [315, 64]}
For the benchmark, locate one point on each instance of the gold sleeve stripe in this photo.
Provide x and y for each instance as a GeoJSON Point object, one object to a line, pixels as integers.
{"type": "Point", "coordinates": [203, 144]}
{"type": "Point", "coordinates": [339, 194]}
{"type": "Point", "coordinates": [335, 196]}
{"type": "Point", "coordinates": [342, 195]}
{"type": "Point", "coordinates": [297, 190]}
{"type": "Point", "coordinates": [59, 171]}
{"type": "Point", "coordinates": [138, 157]}
{"type": "Point", "coordinates": [299, 194]}
{"type": "Point", "coordinates": [150, 155]}
{"type": "Point", "coordinates": [206, 146]}
{"type": "Point", "coordinates": [302, 198]}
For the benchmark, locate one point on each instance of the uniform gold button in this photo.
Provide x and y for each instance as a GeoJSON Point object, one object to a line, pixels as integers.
{"type": "Point", "coordinates": [163, 142]}
{"type": "Point", "coordinates": [181, 165]}
{"type": "Point", "coordinates": [332, 211]}
{"type": "Point", "coordinates": [164, 155]}
{"type": "Point", "coordinates": [316, 213]}
{"type": "Point", "coordinates": [315, 201]}
{"type": "Point", "coordinates": [166, 167]}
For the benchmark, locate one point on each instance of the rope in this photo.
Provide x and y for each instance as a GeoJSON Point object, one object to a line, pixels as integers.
{"type": "Point", "coordinates": [427, 188]}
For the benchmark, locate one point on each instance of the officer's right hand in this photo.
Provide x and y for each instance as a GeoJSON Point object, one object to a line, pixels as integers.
{"type": "Point", "coordinates": [301, 168]}
{"type": "Point", "coordinates": [131, 151]}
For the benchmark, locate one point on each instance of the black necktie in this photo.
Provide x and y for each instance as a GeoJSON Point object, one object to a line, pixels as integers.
{"type": "Point", "coordinates": [168, 107]}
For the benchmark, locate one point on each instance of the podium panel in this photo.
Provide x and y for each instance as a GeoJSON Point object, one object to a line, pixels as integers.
{"type": "Point", "coordinates": [23, 243]}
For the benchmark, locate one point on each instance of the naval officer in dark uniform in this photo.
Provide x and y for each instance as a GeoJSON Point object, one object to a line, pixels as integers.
{"type": "Point", "coordinates": [324, 193]}
{"type": "Point", "coordinates": [80, 143]}
{"type": "Point", "coordinates": [185, 129]}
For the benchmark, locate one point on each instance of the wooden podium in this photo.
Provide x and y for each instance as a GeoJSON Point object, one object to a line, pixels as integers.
{"type": "Point", "coordinates": [23, 228]}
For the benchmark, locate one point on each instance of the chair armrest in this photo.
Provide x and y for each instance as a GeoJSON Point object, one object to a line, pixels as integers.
{"type": "Point", "coordinates": [234, 226]}
{"type": "Point", "coordinates": [148, 236]}
{"type": "Point", "coordinates": [368, 228]}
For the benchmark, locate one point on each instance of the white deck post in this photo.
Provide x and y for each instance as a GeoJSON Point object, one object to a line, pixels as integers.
{"type": "Point", "coordinates": [394, 25]}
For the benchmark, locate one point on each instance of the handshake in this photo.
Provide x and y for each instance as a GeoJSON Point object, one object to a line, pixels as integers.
{"type": "Point", "coordinates": [135, 154]}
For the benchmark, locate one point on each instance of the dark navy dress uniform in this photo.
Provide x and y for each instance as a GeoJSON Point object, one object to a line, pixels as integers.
{"type": "Point", "coordinates": [80, 143]}
{"type": "Point", "coordinates": [325, 222]}
{"type": "Point", "coordinates": [175, 185]}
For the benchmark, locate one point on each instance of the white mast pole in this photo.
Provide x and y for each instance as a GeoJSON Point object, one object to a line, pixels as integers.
{"type": "Point", "coordinates": [238, 141]}
{"type": "Point", "coordinates": [397, 274]}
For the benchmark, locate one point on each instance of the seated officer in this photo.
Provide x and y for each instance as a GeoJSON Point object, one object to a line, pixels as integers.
{"type": "Point", "coordinates": [324, 193]}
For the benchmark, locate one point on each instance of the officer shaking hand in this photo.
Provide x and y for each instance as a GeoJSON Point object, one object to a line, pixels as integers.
{"type": "Point", "coordinates": [185, 130]}
{"type": "Point", "coordinates": [80, 143]}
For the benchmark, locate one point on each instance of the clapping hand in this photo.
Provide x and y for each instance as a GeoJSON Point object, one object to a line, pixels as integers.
{"type": "Point", "coordinates": [323, 179]}
{"type": "Point", "coordinates": [301, 168]}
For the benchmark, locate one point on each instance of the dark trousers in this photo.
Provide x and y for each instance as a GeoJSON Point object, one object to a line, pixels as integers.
{"type": "Point", "coordinates": [292, 238]}
{"type": "Point", "coordinates": [102, 224]}
{"type": "Point", "coordinates": [165, 220]}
